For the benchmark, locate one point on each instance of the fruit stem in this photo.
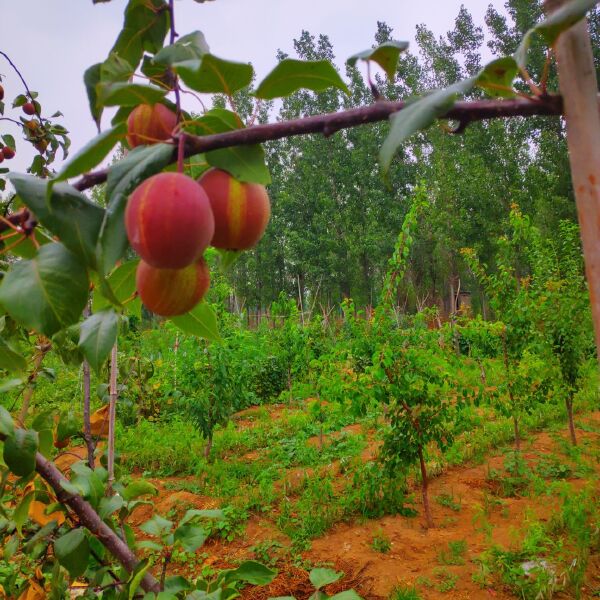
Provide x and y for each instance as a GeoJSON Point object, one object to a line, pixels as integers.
{"type": "Point", "coordinates": [180, 151]}
{"type": "Point", "coordinates": [12, 64]}
{"type": "Point", "coordinates": [172, 37]}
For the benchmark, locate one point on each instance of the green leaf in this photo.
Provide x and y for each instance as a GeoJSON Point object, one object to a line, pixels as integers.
{"type": "Point", "coordinates": [98, 336]}
{"type": "Point", "coordinates": [157, 526]}
{"type": "Point", "coordinates": [190, 536]}
{"type": "Point", "coordinates": [200, 321]}
{"type": "Point", "coordinates": [251, 572]}
{"type": "Point", "coordinates": [46, 443]}
{"type": "Point", "coordinates": [291, 75]}
{"type": "Point", "coordinates": [144, 28]}
{"type": "Point", "coordinates": [227, 258]}
{"type": "Point", "coordinates": [122, 286]}
{"type": "Point", "coordinates": [563, 18]}
{"type": "Point", "coordinates": [10, 548]}
{"type": "Point", "coordinates": [386, 55]}
{"type": "Point", "coordinates": [123, 178]}
{"type": "Point", "coordinates": [21, 513]}
{"type": "Point", "coordinates": [138, 488]}
{"type": "Point", "coordinates": [214, 75]}
{"type": "Point", "coordinates": [137, 576]}
{"type": "Point", "coordinates": [129, 94]}
{"type": "Point", "coordinates": [92, 153]}
{"type": "Point", "coordinates": [346, 595]}
{"type": "Point", "coordinates": [110, 505]}
{"type": "Point", "coordinates": [68, 214]}
{"type": "Point", "coordinates": [419, 114]}
{"type": "Point", "coordinates": [115, 68]}
{"type": "Point", "coordinates": [245, 163]}
{"type": "Point", "coordinates": [195, 513]}
{"type": "Point", "coordinates": [19, 451]}
{"type": "Point", "coordinates": [10, 359]}
{"type": "Point", "coordinates": [7, 425]}
{"type": "Point", "coordinates": [9, 141]}
{"type": "Point", "coordinates": [188, 47]}
{"type": "Point", "coordinates": [553, 25]}
{"type": "Point", "coordinates": [47, 292]}
{"type": "Point", "coordinates": [91, 79]}
{"type": "Point", "coordinates": [72, 551]}
{"type": "Point", "coordinates": [68, 425]}
{"type": "Point", "coordinates": [176, 584]}
{"type": "Point", "coordinates": [500, 72]}
{"type": "Point", "coordinates": [322, 577]}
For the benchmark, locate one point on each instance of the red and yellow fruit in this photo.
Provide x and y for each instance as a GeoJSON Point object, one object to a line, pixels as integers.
{"type": "Point", "coordinates": [171, 292]}
{"type": "Point", "coordinates": [8, 153]}
{"type": "Point", "coordinates": [150, 124]}
{"type": "Point", "coordinates": [29, 108]}
{"type": "Point", "coordinates": [169, 221]}
{"type": "Point", "coordinates": [241, 210]}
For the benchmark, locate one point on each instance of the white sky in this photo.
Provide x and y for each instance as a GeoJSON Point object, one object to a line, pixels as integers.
{"type": "Point", "coordinates": [54, 41]}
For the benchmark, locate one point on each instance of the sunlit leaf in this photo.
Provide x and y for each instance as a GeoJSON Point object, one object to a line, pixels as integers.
{"type": "Point", "coordinates": [291, 75]}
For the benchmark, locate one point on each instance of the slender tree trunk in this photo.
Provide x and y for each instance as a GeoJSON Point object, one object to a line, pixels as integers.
{"type": "Point", "coordinates": [424, 490]}
{"type": "Point", "coordinates": [87, 429]}
{"type": "Point", "coordinates": [112, 411]}
{"type": "Point", "coordinates": [208, 447]}
{"type": "Point", "coordinates": [579, 89]}
{"type": "Point", "coordinates": [517, 434]}
{"type": "Point", "coordinates": [569, 403]}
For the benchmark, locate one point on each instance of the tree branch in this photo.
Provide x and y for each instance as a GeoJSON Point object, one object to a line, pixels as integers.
{"type": "Point", "coordinates": [89, 518]}
{"type": "Point", "coordinates": [327, 124]}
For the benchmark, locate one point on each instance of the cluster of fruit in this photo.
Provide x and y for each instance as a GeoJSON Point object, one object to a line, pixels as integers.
{"type": "Point", "coordinates": [171, 219]}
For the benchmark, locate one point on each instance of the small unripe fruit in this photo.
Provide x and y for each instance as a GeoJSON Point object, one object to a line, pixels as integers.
{"type": "Point", "coordinates": [150, 124]}
{"type": "Point", "coordinates": [32, 125]}
{"type": "Point", "coordinates": [241, 210]}
{"type": "Point", "coordinates": [41, 146]}
{"type": "Point", "coordinates": [171, 292]}
{"type": "Point", "coordinates": [169, 221]}
{"type": "Point", "coordinates": [8, 153]}
{"type": "Point", "coordinates": [29, 108]}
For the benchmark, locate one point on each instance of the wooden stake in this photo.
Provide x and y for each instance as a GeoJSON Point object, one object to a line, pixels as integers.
{"type": "Point", "coordinates": [579, 89]}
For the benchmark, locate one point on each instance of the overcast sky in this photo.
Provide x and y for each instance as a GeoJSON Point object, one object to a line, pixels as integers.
{"type": "Point", "coordinates": [54, 41]}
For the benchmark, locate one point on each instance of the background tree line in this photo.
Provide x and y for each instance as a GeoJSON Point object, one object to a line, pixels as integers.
{"type": "Point", "coordinates": [335, 219]}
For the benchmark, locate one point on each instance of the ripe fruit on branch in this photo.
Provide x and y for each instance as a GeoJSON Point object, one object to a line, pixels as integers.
{"type": "Point", "coordinates": [41, 146]}
{"type": "Point", "coordinates": [150, 124]}
{"type": "Point", "coordinates": [8, 153]}
{"type": "Point", "coordinates": [169, 221]}
{"type": "Point", "coordinates": [241, 210]}
{"type": "Point", "coordinates": [29, 108]}
{"type": "Point", "coordinates": [171, 292]}
{"type": "Point", "coordinates": [1, 93]}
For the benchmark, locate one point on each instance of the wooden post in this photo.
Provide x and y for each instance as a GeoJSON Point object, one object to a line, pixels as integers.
{"type": "Point", "coordinates": [579, 89]}
{"type": "Point", "coordinates": [112, 410]}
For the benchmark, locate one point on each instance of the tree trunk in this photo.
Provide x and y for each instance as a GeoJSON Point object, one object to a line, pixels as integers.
{"type": "Point", "coordinates": [87, 430]}
{"type": "Point", "coordinates": [579, 89]}
{"type": "Point", "coordinates": [569, 403]}
{"type": "Point", "coordinates": [208, 447]}
{"type": "Point", "coordinates": [428, 517]}
{"type": "Point", "coordinates": [517, 434]}
{"type": "Point", "coordinates": [112, 411]}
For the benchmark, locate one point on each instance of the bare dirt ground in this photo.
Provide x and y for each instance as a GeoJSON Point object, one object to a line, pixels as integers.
{"type": "Point", "coordinates": [482, 520]}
